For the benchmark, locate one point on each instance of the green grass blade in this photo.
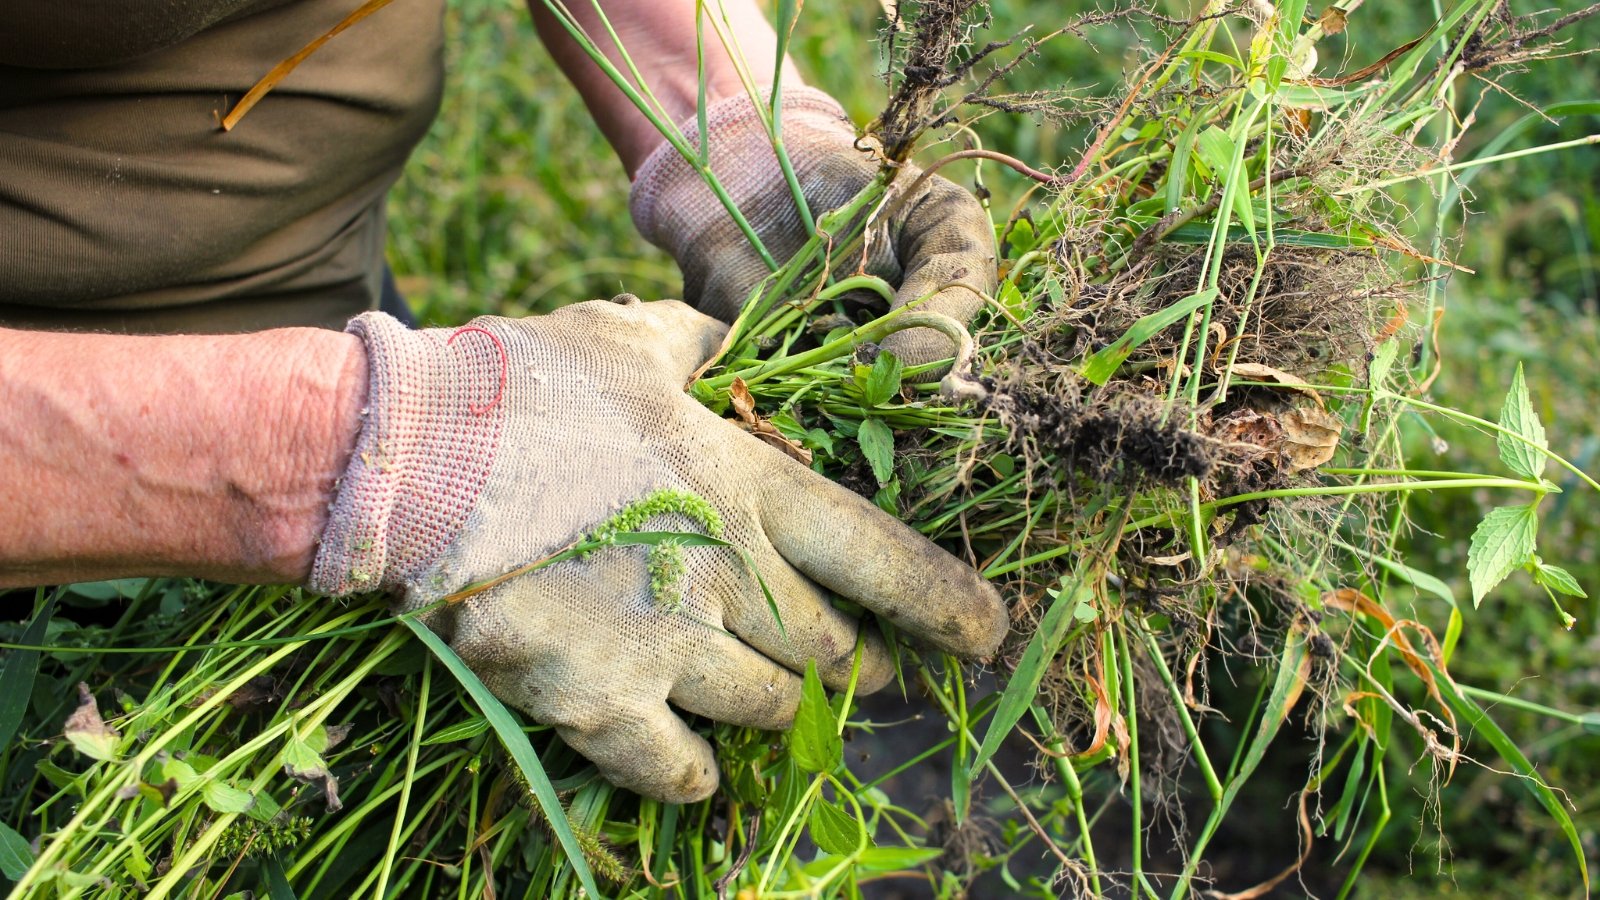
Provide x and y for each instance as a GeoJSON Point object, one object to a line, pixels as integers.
{"type": "Point", "coordinates": [1473, 717]}
{"type": "Point", "coordinates": [277, 883]}
{"type": "Point", "coordinates": [516, 744]}
{"type": "Point", "coordinates": [1497, 144]}
{"type": "Point", "coordinates": [1200, 233]}
{"type": "Point", "coordinates": [16, 684]}
{"type": "Point", "coordinates": [1024, 683]}
{"type": "Point", "coordinates": [1103, 364]}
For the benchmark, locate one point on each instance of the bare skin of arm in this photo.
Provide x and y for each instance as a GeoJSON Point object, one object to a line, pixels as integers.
{"type": "Point", "coordinates": [660, 38]}
{"type": "Point", "coordinates": [210, 456]}
{"type": "Point", "coordinates": [217, 456]}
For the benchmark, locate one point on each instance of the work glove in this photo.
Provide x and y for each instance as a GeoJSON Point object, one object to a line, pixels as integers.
{"type": "Point", "coordinates": [934, 237]}
{"type": "Point", "coordinates": [494, 445]}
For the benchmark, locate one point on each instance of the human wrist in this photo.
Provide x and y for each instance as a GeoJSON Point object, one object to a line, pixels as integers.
{"type": "Point", "coordinates": [320, 404]}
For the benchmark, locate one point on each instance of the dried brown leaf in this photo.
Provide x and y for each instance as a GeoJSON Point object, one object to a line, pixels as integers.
{"type": "Point", "coordinates": [1310, 437]}
{"type": "Point", "coordinates": [1261, 372]}
{"type": "Point", "coordinates": [87, 731]}
{"type": "Point", "coordinates": [744, 405]}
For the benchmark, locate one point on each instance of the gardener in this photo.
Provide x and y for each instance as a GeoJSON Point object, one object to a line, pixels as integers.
{"type": "Point", "coordinates": [227, 443]}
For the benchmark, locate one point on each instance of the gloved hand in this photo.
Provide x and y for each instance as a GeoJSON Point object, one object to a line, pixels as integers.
{"type": "Point", "coordinates": [491, 446]}
{"type": "Point", "coordinates": [939, 236]}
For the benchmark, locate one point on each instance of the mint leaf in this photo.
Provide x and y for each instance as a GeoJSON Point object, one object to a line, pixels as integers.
{"type": "Point", "coordinates": [813, 742]}
{"type": "Point", "coordinates": [1517, 416]}
{"type": "Point", "coordinates": [1502, 542]}
{"type": "Point", "coordinates": [882, 383]}
{"type": "Point", "coordinates": [835, 830]}
{"type": "Point", "coordinates": [1557, 579]}
{"type": "Point", "coordinates": [877, 445]}
{"type": "Point", "coordinates": [225, 798]}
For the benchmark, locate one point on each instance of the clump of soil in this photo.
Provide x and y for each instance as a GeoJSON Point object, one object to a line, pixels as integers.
{"type": "Point", "coordinates": [1111, 435]}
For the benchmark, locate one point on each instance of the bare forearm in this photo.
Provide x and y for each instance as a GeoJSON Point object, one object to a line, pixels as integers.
{"type": "Point", "coordinates": [660, 38]}
{"type": "Point", "coordinates": [212, 456]}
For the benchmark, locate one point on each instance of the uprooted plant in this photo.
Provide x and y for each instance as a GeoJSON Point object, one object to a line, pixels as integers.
{"type": "Point", "coordinates": [1174, 439]}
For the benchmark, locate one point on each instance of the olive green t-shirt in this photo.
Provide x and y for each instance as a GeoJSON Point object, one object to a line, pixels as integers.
{"type": "Point", "coordinates": [123, 204]}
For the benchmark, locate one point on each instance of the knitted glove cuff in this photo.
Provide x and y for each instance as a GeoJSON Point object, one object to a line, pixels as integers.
{"type": "Point", "coordinates": [671, 203]}
{"type": "Point", "coordinates": [429, 436]}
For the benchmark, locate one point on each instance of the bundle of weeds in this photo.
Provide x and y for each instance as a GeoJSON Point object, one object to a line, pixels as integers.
{"type": "Point", "coordinates": [1172, 439]}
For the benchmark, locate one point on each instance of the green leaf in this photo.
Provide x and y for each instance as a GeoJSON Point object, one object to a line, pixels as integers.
{"type": "Point", "coordinates": [471, 728]}
{"type": "Point", "coordinates": [877, 445]}
{"type": "Point", "coordinates": [888, 498]}
{"type": "Point", "coordinates": [1518, 417]}
{"type": "Point", "coordinates": [89, 733]}
{"type": "Point", "coordinates": [16, 683]}
{"type": "Point", "coordinates": [264, 809]}
{"type": "Point", "coordinates": [882, 383]}
{"type": "Point", "coordinates": [1104, 363]}
{"type": "Point", "coordinates": [137, 862]}
{"type": "Point", "coordinates": [299, 761]}
{"type": "Point", "coordinates": [1476, 722]}
{"type": "Point", "coordinates": [886, 859]}
{"type": "Point", "coordinates": [1201, 233]}
{"type": "Point", "coordinates": [1215, 151]}
{"type": "Point", "coordinates": [15, 854]}
{"type": "Point", "coordinates": [1502, 542]}
{"type": "Point", "coordinates": [277, 882]}
{"type": "Point", "coordinates": [1382, 363]}
{"type": "Point", "coordinates": [813, 741]}
{"type": "Point", "coordinates": [836, 831]}
{"type": "Point", "coordinates": [1041, 649]}
{"type": "Point", "coordinates": [1286, 689]}
{"type": "Point", "coordinates": [1558, 579]}
{"type": "Point", "coordinates": [516, 744]}
{"type": "Point", "coordinates": [225, 798]}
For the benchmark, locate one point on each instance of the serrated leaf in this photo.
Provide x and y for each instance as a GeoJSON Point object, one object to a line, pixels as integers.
{"type": "Point", "coordinates": [813, 742]}
{"type": "Point", "coordinates": [1517, 416]}
{"type": "Point", "coordinates": [877, 445]}
{"type": "Point", "coordinates": [225, 798]}
{"type": "Point", "coordinates": [1501, 543]}
{"type": "Point", "coordinates": [461, 731]}
{"type": "Point", "coordinates": [302, 760]}
{"type": "Point", "coordinates": [1558, 579]}
{"type": "Point", "coordinates": [15, 854]}
{"type": "Point", "coordinates": [178, 772]}
{"type": "Point", "coordinates": [137, 862]}
{"type": "Point", "coordinates": [836, 831]}
{"type": "Point", "coordinates": [264, 808]}
{"type": "Point", "coordinates": [882, 383]}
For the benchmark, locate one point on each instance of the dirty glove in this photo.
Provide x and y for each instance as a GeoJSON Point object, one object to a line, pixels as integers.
{"type": "Point", "coordinates": [938, 236]}
{"type": "Point", "coordinates": [494, 445]}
